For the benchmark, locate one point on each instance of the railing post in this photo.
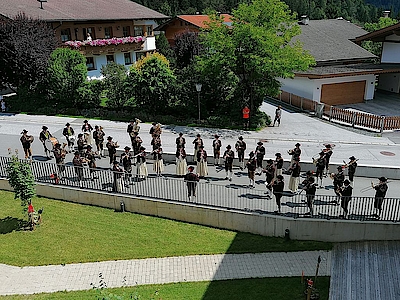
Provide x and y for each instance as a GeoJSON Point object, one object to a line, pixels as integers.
{"type": "Point", "coordinates": [330, 113]}
{"type": "Point", "coordinates": [301, 103]}
{"type": "Point", "coordinates": [353, 118]}
{"type": "Point", "coordinates": [382, 124]}
{"type": "Point", "coordinates": [290, 98]}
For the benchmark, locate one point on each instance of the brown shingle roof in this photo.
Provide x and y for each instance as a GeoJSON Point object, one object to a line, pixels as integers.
{"type": "Point", "coordinates": [82, 10]}
{"type": "Point", "coordinates": [200, 20]}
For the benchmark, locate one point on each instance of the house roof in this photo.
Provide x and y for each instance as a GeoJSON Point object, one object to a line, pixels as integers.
{"type": "Point", "coordinates": [196, 20]}
{"type": "Point", "coordinates": [79, 10]}
{"type": "Point", "coordinates": [379, 35]}
{"type": "Point", "coordinates": [332, 40]}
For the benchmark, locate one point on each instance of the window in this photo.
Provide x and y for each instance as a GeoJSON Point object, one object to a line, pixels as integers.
{"type": "Point", "coordinates": [138, 31]}
{"type": "Point", "coordinates": [89, 30]}
{"type": "Point", "coordinates": [127, 58]}
{"type": "Point", "coordinates": [149, 30]}
{"type": "Point", "coordinates": [90, 63]}
{"type": "Point", "coordinates": [108, 34]}
{"type": "Point", "coordinates": [110, 58]}
{"type": "Point", "coordinates": [126, 31]}
{"type": "Point", "coordinates": [140, 55]}
{"type": "Point", "coordinates": [65, 35]}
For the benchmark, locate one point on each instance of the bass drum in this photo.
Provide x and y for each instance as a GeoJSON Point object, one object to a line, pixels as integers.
{"type": "Point", "coordinates": [48, 145]}
{"type": "Point", "coordinates": [71, 139]}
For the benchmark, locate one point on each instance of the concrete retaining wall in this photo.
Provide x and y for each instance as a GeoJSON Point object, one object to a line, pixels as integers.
{"type": "Point", "coordinates": [268, 225]}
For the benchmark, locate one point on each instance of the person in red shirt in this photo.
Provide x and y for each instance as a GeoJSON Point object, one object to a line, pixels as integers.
{"type": "Point", "coordinates": [246, 117]}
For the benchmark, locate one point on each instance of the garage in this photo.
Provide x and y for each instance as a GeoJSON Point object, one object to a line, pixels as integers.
{"type": "Point", "coordinates": [343, 93]}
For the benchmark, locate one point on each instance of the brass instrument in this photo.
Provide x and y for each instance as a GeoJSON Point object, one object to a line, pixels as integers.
{"type": "Point", "coordinates": [350, 163]}
{"type": "Point", "coordinates": [63, 151]}
{"type": "Point", "coordinates": [30, 138]}
{"type": "Point", "coordinates": [332, 176]}
{"type": "Point", "coordinates": [372, 186]}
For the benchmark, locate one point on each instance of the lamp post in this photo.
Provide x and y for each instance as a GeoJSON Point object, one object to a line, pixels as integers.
{"type": "Point", "coordinates": [198, 89]}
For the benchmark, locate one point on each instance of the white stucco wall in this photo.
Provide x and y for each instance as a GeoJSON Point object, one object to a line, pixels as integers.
{"type": "Point", "coordinates": [389, 82]}
{"type": "Point", "coordinates": [390, 53]}
{"type": "Point", "coordinates": [150, 43]}
{"type": "Point", "coordinates": [301, 86]}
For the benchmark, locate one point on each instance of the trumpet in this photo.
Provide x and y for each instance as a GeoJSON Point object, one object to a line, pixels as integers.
{"type": "Point", "coordinates": [350, 163]}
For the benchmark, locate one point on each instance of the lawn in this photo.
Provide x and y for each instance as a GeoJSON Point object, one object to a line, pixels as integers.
{"type": "Point", "coordinates": [253, 289]}
{"type": "Point", "coordinates": [73, 233]}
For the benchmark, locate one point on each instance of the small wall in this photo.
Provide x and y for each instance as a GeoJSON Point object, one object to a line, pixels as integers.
{"type": "Point", "coordinates": [267, 225]}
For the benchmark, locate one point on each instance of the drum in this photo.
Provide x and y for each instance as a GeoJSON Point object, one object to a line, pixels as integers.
{"type": "Point", "coordinates": [72, 139]}
{"type": "Point", "coordinates": [53, 140]}
{"type": "Point", "coordinates": [48, 145]}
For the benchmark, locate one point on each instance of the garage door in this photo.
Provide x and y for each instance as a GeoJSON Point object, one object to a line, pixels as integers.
{"type": "Point", "coordinates": [343, 93]}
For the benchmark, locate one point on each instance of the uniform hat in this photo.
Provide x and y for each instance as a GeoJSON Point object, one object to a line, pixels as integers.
{"type": "Point", "coordinates": [383, 179]}
{"type": "Point", "coordinates": [86, 121]}
{"type": "Point", "coordinates": [251, 154]}
{"type": "Point", "coordinates": [259, 143]}
{"type": "Point", "coordinates": [67, 124]}
{"type": "Point", "coordinates": [24, 131]}
{"type": "Point", "coordinates": [154, 123]}
{"type": "Point", "coordinates": [80, 134]}
{"type": "Point", "coordinates": [180, 133]}
{"type": "Point", "coordinates": [270, 161]}
{"type": "Point", "coordinates": [352, 158]}
{"type": "Point", "coordinates": [339, 168]}
{"type": "Point", "coordinates": [109, 138]}
{"type": "Point", "coordinates": [346, 182]}
{"type": "Point", "coordinates": [328, 146]}
{"type": "Point", "coordinates": [297, 145]}
{"type": "Point", "coordinates": [278, 154]}
{"type": "Point", "coordinates": [240, 138]}
{"type": "Point", "coordinates": [216, 136]}
{"type": "Point", "coordinates": [228, 147]}
{"type": "Point", "coordinates": [311, 179]}
{"type": "Point", "coordinates": [280, 177]}
{"type": "Point", "coordinates": [89, 146]}
{"type": "Point", "coordinates": [95, 127]}
{"type": "Point", "coordinates": [45, 127]}
{"type": "Point", "coordinates": [191, 168]}
{"type": "Point", "coordinates": [142, 148]}
{"type": "Point", "coordinates": [198, 135]}
{"type": "Point", "coordinates": [127, 148]}
{"type": "Point", "coordinates": [76, 153]}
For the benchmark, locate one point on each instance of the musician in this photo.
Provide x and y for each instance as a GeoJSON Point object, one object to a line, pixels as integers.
{"type": "Point", "coordinates": [269, 176]}
{"type": "Point", "coordinates": [191, 180]}
{"type": "Point", "coordinates": [240, 147]}
{"type": "Point", "coordinates": [129, 130]}
{"type": "Point", "coordinates": [90, 159]}
{"type": "Point", "coordinates": [133, 129]}
{"type": "Point", "coordinates": [338, 179]}
{"type": "Point", "coordinates": [345, 193]}
{"type": "Point", "coordinates": [216, 149]}
{"type": "Point", "coordinates": [158, 165]}
{"type": "Point", "coordinates": [26, 141]}
{"type": "Point", "coordinates": [380, 193]}
{"type": "Point", "coordinates": [126, 160]}
{"type": "Point", "coordinates": [197, 142]}
{"type": "Point", "coordinates": [309, 175]}
{"type": "Point", "coordinates": [320, 164]}
{"type": "Point", "coordinates": [43, 136]}
{"type": "Point", "coordinates": [87, 128]}
{"type": "Point", "coordinates": [310, 189]}
{"type": "Point", "coordinates": [277, 188]}
{"type": "Point", "coordinates": [155, 129]}
{"type": "Point", "coordinates": [98, 136]}
{"type": "Point", "coordinates": [156, 142]}
{"type": "Point", "coordinates": [68, 132]}
{"type": "Point", "coordinates": [202, 168]}
{"type": "Point", "coordinates": [77, 161]}
{"type": "Point", "coordinates": [136, 144]}
{"type": "Point", "coordinates": [81, 143]}
{"type": "Point", "coordinates": [180, 142]}
{"type": "Point", "coordinates": [260, 152]}
{"type": "Point", "coordinates": [141, 167]}
{"type": "Point", "coordinates": [278, 114]}
{"type": "Point", "coordinates": [251, 168]}
{"type": "Point", "coordinates": [229, 155]}
{"type": "Point", "coordinates": [112, 150]}
{"type": "Point", "coordinates": [59, 155]}
{"type": "Point", "coordinates": [278, 165]}
{"type": "Point", "coordinates": [295, 174]}
{"type": "Point", "coordinates": [352, 166]}
{"type": "Point", "coordinates": [295, 153]}
{"type": "Point", "coordinates": [328, 153]}
{"type": "Point", "coordinates": [181, 164]}
{"type": "Point", "coordinates": [152, 128]}
{"type": "Point", "coordinates": [117, 175]}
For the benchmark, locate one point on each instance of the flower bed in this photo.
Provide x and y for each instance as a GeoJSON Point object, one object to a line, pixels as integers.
{"type": "Point", "coordinates": [106, 42]}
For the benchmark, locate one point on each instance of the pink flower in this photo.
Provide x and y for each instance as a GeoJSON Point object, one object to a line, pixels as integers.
{"type": "Point", "coordinates": [105, 42]}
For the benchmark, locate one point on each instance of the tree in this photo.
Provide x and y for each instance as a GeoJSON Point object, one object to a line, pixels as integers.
{"type": "Point", "coordinates": [253, 53]}
{"type": "Point", "coordinates": [66, 75]}
{"type": "Point", "coordinates": [25, 48]}
{"type": "Point", "coordinates": [165, 49]}
{"type": "Point", "coordinates": [113, 82]}
{"type": "Point", "coordinates": [187, 46]}
{"type": "Point", "coordinates": [375, 47]}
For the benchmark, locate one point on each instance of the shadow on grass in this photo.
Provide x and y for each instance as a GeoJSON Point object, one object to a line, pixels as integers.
{"type": "Point", "coordinates": [9, 224]}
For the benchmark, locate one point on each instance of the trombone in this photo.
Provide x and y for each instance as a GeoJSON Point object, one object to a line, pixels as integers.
{"type": "Point", "coordinates": [372, 186]}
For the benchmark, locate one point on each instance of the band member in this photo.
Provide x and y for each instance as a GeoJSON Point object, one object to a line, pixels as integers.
{"type": "Point", "coordinates": [152, 128]}
{"type": "Point", "coordinates": [309, 175]}
{"type": "Point", "coordinates": [98, 136]}
{"type": "Point", "coordinates": [346, 193]}
{"type": "Point", "coordinates": [59, 155]}
{"type": "Point", "coordinates": [81, 143]}
{"type": "Point", "coordinates": [338, 179]}
{"type": "Point", "coordinates": [180, 142]}
{"type": "Point", "coordinates": [251, 168]}
{"type": "Point", "coordinates": [90, 159]}
{"type": "Point", "coordinates": [191, 180]}
{"type": "Point", "coordinates": [26, 141]}
{"type": "Point", "coordinates": [43, 136]}
{"type": "Point", "coordinates": [277, 188]}
{"type": "Point", "coordinates": [240, 147]}
{"type": "Point", "coordinates": [278, 114]}
{"type": "Point", "coordinates": [380, 193]}
{"type": "Point", "coordinates": [229, 155]}
{"type": "Point", "coordinates": [181, 164]}
{"type": "Point", "coordinates": [310, 189]}
{"type": "Point", "coordinates": [126, 160]}
{"type": "Point", "coordinates": [295, 153]}
{"type": "Point", "coordinates": [295, 174]}
{"type": "Point", "coordinates": [136, 144]}
{"type": "Point", "coordinates": [278, 164]}
{"type": "Point", "coordinates": [118, 173]}
{"type": "Point", "coordinates": [141, 167]}
{"type": "Point", "coordinates": [69, 133]}
{"type": "Point", "coordinates": [77, 161]}
{"type": "Point", "coordinates": [202, 168]}
{"type": "Point", "coordinates": [112, 150]}
{"type": "Point", "coordinates": [328, 153]}
{"type": "Point", "coordinates": [197, 143]}
{"type": "Point", "coordinates": [155, 129]}
{"type": "Point", "coordinates": [269, 176]}
{"type": "Point", "coordinates": [87, 129]}
{"type": "Point", "coordinates": [260, 152]}
{"type": "Point", "coordinates": [217, 149]}
{"type": "Point", "coordinates": [156, 142]}
{"type": "Point", "coordinates": [320, 164]}
{"type": "Point", "coordinates": [158, 165]}
{"type": "Point", "coordinates": [133, 129]}
{"type": "Point", "coordinates": [352, 166]}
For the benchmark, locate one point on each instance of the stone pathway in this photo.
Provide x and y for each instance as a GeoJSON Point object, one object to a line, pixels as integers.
{"type": "Point", "coordinates": [31, 280]}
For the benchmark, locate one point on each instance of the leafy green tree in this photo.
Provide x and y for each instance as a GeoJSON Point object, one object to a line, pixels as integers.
{"type": "Point", "coordinates": [186, 47]}
{"type": "Point", "coordinates": [90, 94]}
{"type": "Point", "coordinates": [114, 84]}
{"type": "Point", "coordinates": [251, 54]}
{"type": "Point", "coordinates": [376, 47]}
{"type": "Point", "coordinates": [66, 75]}
{"type": "Point", "coordinates": [165, 49]}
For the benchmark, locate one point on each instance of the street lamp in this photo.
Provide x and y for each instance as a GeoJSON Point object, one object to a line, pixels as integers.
{"type": "Point", "coordinates": [198, 89]}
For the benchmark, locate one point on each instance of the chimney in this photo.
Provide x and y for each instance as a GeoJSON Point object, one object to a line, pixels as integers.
{"type": "Point", "coordinates": [304, 20]}
{"type": "Point", "coordinates": [386, 13]}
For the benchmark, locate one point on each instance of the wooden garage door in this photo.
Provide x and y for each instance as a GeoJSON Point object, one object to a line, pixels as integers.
{"type": "Point", "coordinates": [343, 93]}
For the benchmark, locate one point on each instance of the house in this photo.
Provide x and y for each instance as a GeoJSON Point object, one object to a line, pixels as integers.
{"type": "Point", "coordinates": [390, 56]}
{"type": "Point", "coordinates": [344, 73]}
{"type": "Point", "coordinates": [104, 31]}
{"type": "Point", "coordinates": [183, 23]}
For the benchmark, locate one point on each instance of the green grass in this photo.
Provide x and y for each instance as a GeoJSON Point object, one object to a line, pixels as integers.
{"type": "Point", "coordinates": [73, 233]}
{"type": "Point", "coordinates": [252, 289]}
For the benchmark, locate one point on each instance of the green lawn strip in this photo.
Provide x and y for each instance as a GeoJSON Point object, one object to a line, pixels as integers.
{"type": "Point", "coordinates": [73, 233]}
{"type": "Point", "coordinates": [285, 288]}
